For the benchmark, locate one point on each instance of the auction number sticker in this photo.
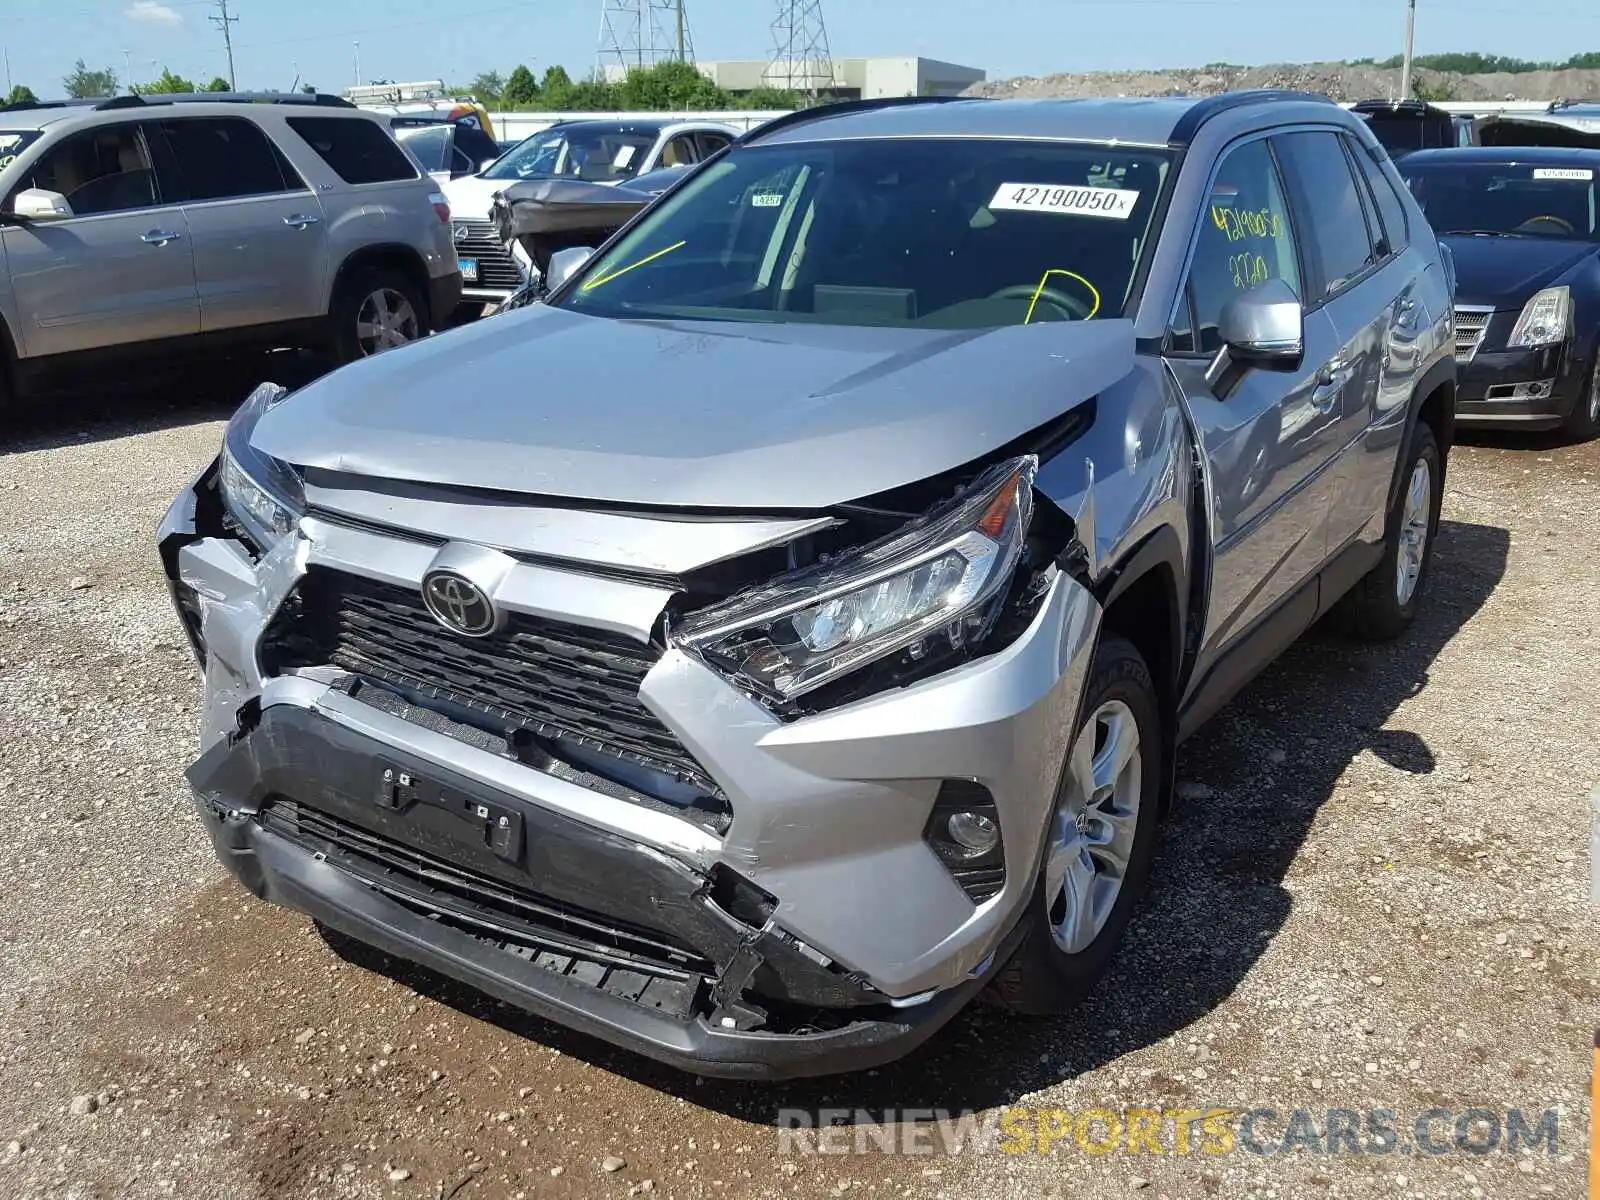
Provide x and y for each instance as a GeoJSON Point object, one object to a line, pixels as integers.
{"type": "Point", "coordinates": [767, 200]}
{"type": "Point", "coordinates": [1116, 203]}
{"type": "Point", "coordinates": [1579, 173]}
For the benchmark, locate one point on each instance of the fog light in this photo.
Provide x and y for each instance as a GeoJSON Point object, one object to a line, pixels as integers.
{"type": "Point", "coordinates": [973, 832]}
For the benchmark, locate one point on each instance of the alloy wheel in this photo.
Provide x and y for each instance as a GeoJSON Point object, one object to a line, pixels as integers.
{"type": "Point", "coordinates": [1415, 521]}
{"type": "Point", "coordinates": [386, 320]}
{"type": "Point", "coordinates": [1091, 840]}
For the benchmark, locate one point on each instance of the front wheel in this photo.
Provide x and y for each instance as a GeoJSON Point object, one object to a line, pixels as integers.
{"type": "Point", "coordinates": [1101, 837]}
{"type": "Point", "coordinates": [1583, 422]}
{"type": "Point", "coordinates": [376, 310]}
{"type": "Point", "coordinates": [1384, 603]}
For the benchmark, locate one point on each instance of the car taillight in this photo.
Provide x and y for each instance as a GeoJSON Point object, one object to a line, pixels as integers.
{"type": "Point", "coordinates": [441, 206]}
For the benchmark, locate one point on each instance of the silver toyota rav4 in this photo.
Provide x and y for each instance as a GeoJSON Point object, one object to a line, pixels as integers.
{"type": "Point", "coordinates": [785, 632]}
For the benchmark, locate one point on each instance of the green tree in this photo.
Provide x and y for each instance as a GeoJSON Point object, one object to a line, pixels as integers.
{"type": "Point", "coordinates": [592, 95]}
{"type": "Point", "coordinates": [520, 88]}
{"type": "Point", "coordinates": [768, 98]}
{"type": "Point", "coordinates": [555, 90]}
{"type": "Point", "coordinates": [670, 87]}
{"type": "Point", "coordinates": [84, 84]}
{"type": "Point", "coordinates": [310, 89]}
{"type": "Point", "coordinates": [166, 85]}
{"type": "Point", "coordinates": [219, 84]}
{"type": "Point", "coordinates": [489, 86]}
{"type": "Point", "coordinates": [22, 94]}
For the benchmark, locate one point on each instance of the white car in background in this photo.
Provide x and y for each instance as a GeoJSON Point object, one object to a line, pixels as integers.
{"type": "Point", "coordinates": [600, 151]}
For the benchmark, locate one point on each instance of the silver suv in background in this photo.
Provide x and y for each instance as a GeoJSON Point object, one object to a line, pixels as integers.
{"type": "Point", "coordinates": [139, 226]}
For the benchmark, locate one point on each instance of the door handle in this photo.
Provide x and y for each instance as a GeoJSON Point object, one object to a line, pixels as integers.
{"type": "Point", "coordinates": [159, 237]}
{"type": "Point", "coordinates": [1329, 383]}
{"type": "Point", "coordinates": [300, 220]}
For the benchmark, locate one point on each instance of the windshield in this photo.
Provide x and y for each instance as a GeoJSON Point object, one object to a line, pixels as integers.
{"type": "Point", "coordinates": [1508, 199]}
{"type": "Point", "coordinates": [927, 233]}
{"type": "Point", "coordinates": [14, 142]}
{"type": "Point", "coordinates": [598, 153]}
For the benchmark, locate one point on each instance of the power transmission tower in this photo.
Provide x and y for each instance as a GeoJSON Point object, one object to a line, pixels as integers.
{"type": "Point", "coordinates": [641, 33]}
{"type": "Point", "coordinates": [226, 23]}
{"type": "Point", "coordinates": [801, 61]}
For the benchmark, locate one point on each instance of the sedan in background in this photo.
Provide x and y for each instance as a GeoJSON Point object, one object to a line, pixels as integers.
{"type": "Point", "coordinates": [1521, 224]}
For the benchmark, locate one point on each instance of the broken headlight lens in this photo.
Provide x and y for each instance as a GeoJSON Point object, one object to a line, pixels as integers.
{"type": "Point", "coordinates": [934, 585]}
{"type": "Point", "coordinates": [1546, 320]}
{"type": "Point", "coordinates": [261, 493]}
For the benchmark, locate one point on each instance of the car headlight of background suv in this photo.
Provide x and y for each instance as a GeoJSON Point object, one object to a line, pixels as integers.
{"type": "Point", "coordinates": [1546, 320]}
{"type": "Point", "coordinates": [263, 495]}
{"type": "Point", "coordinates": [936, 584]}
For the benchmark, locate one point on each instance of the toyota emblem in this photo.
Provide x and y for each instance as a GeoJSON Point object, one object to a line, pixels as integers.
{"type": "Point", "coordinates": [459, 604]}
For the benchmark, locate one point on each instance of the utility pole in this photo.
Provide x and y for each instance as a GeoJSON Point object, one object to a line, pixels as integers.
{"type": "Point", "coordinates": [357, 46]}
{"type": "Point", "coordinates": [1411, 36]}
{"type": "Point", "coordinates": [681, 56]}
{"type": "Point", "coordinates": [127, 67]}
{"type": "Point", "coordinates": [226, 23]}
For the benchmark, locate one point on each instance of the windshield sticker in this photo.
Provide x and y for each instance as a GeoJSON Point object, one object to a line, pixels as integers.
{"type": "Point", "coordinates": [624, 157]}
{"type": "Point", "coordinates": [767, 200]}
{"type": "Point", "coordinates": [1578, 173]}
{"type": "Point", "coordinates": [1115, 203]}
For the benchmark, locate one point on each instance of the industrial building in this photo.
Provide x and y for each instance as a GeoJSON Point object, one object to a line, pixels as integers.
{"type": "Point", "coordinates": [850, 78]}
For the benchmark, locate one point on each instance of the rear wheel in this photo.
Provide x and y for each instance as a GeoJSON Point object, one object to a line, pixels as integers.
{"type": "Point", "coordinates": [1583, 422]}
{"type": "Point", "coordinates": [1100, 841]}
{"type": "Point", "coordinates": [1384, 603]}
{"type": "Point", "coordinates": [376, 309]}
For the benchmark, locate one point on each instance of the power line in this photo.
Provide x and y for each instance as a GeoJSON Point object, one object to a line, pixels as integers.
{"type": "Point", "coordinates": [224, 22]}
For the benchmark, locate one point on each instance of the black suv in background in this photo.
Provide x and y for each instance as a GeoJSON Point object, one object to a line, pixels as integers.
{"type": "Point", "coordinates": [1403, 126]}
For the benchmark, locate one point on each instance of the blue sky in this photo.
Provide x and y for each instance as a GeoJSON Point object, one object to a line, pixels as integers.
{"type": "Point", "coordinates": [455, 39]}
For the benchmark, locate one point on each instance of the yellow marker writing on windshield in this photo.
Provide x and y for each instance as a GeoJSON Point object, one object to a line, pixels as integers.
{"type": "Point", "coordinates": [1039, 291]}
{"type": "Point", "coordinates": [604, 279]}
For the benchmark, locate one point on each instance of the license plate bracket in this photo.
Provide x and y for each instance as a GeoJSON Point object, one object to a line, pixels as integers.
{"type": "Point", "coordinates": [474, 821]}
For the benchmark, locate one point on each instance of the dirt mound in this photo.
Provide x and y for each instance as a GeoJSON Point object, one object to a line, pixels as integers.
{"type": "Point", "coordinates": [1342, 81]}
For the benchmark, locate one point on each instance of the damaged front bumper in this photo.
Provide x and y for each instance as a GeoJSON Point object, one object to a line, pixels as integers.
{"type": "Point", "coordinates": [817, 931]}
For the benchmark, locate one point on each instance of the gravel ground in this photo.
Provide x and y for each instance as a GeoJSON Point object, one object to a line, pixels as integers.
{"type": "Point", "coordinates": [1373, 896]}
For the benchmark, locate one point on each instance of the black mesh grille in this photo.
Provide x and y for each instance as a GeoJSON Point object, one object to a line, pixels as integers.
{"type": "Point", "coordinates": [563, 682]}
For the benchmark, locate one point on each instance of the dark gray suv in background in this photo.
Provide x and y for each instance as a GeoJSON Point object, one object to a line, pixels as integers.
{"type": "Point", "coordinates": [808, 650]}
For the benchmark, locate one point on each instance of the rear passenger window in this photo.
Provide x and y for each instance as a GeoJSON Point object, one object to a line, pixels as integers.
{"type": "Point", "coordinates": [219, 158]}
{"type": "Point", "coordinates": [1390, 207]}
{"type": "Point", "coordinates": [1246, 238]}
{"type": "Point", "coordinates": [1334, 226]}
{"type": "Point", "coordinates": [358, 150]}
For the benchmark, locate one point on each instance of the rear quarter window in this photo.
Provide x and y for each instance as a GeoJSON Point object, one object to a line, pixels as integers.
{"type": "Point", "coordinates": [357, 150]}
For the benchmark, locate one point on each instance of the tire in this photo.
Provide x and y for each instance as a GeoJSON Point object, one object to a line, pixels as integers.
{"type": "Point", "coordinates": [1382, 606]}
{"type": "Point", "coordinates": [404, 313]}
{"type": "Point", "coordinates": [1583, 422]}
{"type": "Point", "coordinates": [1059, 960]}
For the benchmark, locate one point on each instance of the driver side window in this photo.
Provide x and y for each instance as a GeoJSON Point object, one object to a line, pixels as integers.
{"type": "Point", "coordinates": [1245, 239]}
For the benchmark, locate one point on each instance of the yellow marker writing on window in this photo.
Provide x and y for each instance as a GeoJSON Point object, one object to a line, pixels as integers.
{"type": "Point", "coordinates": [1039, 291]}
{"type": "Point", "coordinates": [605, 279]}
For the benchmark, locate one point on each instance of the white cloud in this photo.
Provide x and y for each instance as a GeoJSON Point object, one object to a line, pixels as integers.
{"type": "Point", "coordinates": [148, 12]}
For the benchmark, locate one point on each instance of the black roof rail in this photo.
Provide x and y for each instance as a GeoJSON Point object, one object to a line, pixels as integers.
{"type": "Point", "coordinates": [34, 105]}
{"type": "Point", "coordinates": [317, 100]}
{"type": "Point", "coordinates": [837, 108]}
{"type": "Point", "coordinates": [1214, 106]}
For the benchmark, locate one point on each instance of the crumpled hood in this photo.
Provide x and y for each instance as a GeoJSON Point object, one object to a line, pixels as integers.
{"type": "Point", "coordinates": [545, 402]}
{"type": "Point", "coordinates": [1506, 271]}
{"type": "Point", "coordinates": [470, 196]}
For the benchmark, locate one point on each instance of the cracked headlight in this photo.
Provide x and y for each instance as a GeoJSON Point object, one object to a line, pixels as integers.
{"type": "Point", "coordinates": [934, 585]}
{"type": "Point", "coordinates": [1546, 320]}
{"type": "Point", "coordinates": [261, 493]}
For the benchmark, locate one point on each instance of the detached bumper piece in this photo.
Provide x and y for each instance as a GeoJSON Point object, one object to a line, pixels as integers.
{"type": "Point", "coordinates": [568, 922]}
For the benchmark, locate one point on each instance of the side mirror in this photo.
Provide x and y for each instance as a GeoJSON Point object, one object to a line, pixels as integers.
{"type": "Point", "coordinates": [1264, 327]}
{"type": "Point", "coordinates": [564, 264]}
{"type": "Point", "coordinates": [36, 204]}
